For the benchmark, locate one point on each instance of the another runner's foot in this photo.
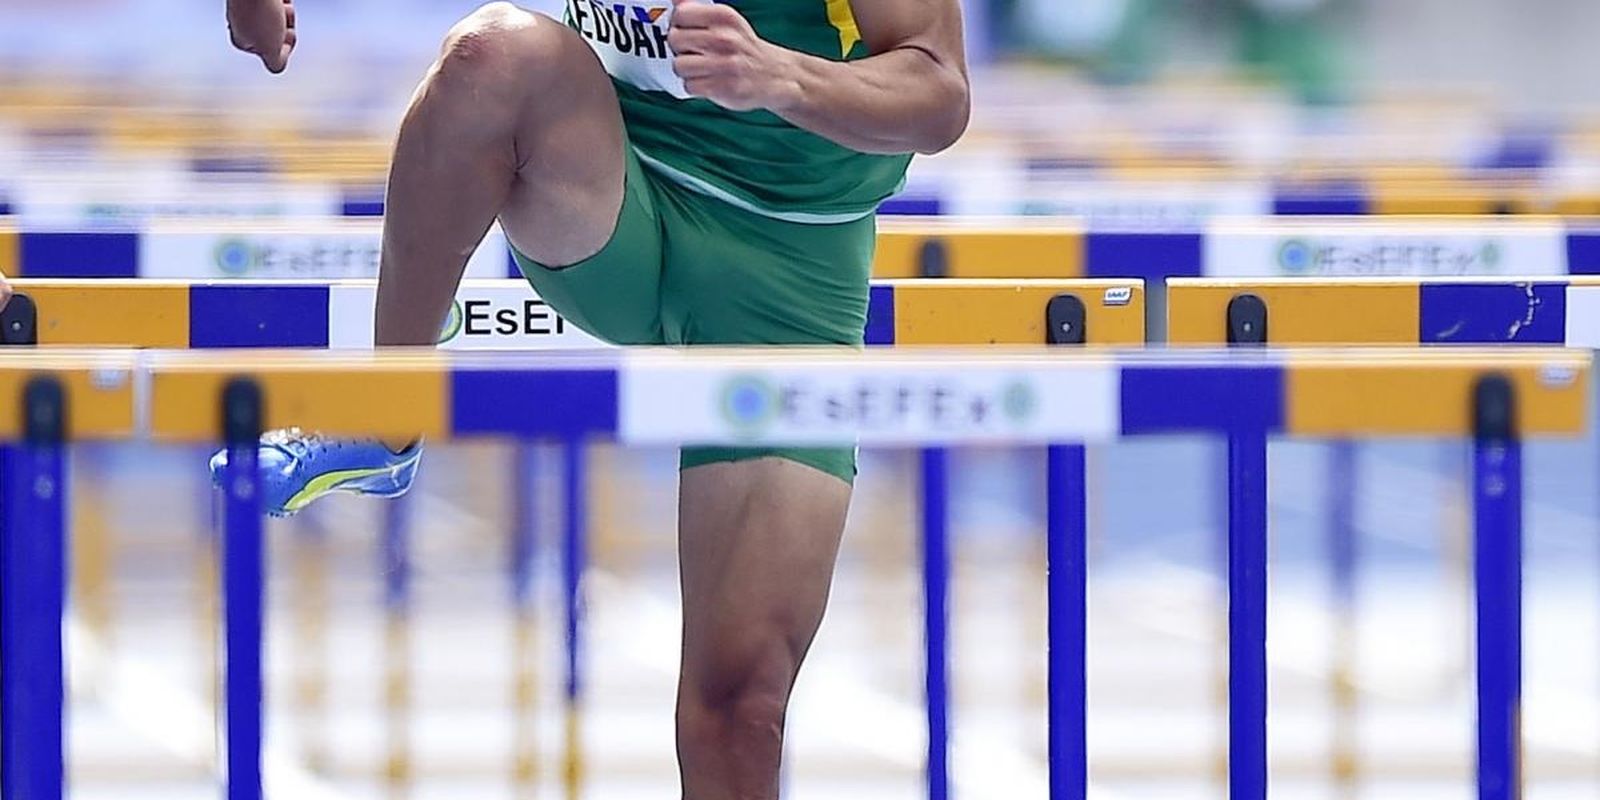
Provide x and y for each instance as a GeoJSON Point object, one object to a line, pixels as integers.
{"type": "Point", "coordinates": [299, 467]}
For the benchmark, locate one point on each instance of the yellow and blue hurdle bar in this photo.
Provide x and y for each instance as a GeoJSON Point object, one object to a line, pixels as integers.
{"type": "Point", "coordinates": [241, 314]}
{"type": "Point", "coordinates": [906, 248]}
{"type": "Point", "coordinates": [1497, 397]}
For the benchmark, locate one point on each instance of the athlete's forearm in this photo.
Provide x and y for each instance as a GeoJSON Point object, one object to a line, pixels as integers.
{"type": "Point", "coordinates": [911, 96]}
{"type": "Point", "coordinates": [900, 101]}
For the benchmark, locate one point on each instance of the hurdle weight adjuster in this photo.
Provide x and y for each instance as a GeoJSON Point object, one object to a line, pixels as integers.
{"type": "Point", "coordinates": [44, 411]}
{"type": "Point", "coordinates": [19, 321]}
{"type": "Point", "coordinates": [1494, 408]}
{"type": "Point", "coordinates": [1065, 320]}
{"type": "Point", "coordinates": [242, 412]}
{"type": "Point", "coordinates": [933, 258]}
{"type": "Point", "coordinates": [1247, 320]}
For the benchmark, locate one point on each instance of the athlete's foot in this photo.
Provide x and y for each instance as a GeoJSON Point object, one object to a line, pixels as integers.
{"type": "Point", "coordinates": [298, 467]}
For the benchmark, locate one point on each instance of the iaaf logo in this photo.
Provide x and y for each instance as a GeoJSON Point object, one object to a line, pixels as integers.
{"type": "Point", "coordinates": [315, 257]}
{"type": "Point", "coordinates": [480, 317]}
{"type": "Point", "coordinates": [752, 404]}
{"type": "Point", "coordinates": [1311, 257]}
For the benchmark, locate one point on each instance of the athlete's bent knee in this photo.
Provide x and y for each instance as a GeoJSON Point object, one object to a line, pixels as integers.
{"type": "Point", "coordinates": [500, 46]}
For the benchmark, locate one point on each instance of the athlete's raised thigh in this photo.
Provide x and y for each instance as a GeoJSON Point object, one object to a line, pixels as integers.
{"type": "Point", "coordinates": [568, 148]}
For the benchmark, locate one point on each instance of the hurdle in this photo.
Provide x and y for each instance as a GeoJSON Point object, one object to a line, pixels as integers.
{"type": "Point", "coordinates": [242, 314]}
{"type": "Point", "coordinates": [1476, 311]}
{"type": "Point", "coordinates": [907, 247]}
{"type": "Point", "coordinates": [338, 314]}
{"type": "Point", "coordinates": [1497, 397]}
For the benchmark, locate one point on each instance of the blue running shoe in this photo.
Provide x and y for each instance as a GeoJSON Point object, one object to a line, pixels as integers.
{"type": "Point", "coordinates": [298, 467]}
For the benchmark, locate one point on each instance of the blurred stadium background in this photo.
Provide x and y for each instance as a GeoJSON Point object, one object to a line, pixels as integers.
{"type": "Point", "coordinates": [1143, 114]}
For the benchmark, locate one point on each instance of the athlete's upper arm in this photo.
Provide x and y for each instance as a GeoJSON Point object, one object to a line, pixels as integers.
{"type": "Point", "coordinates": [932, 26]}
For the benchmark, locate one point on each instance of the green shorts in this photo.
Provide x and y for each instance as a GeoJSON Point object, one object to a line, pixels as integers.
{"type": "Point", "coordinates": [684, 268]}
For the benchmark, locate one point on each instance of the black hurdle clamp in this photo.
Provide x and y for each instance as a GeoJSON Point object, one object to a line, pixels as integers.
{"type": "Point", "coordinates": [44, 411]}
{"type": "Point", "coordinates": [1494, 409]}
{"type": "Point", "coordinates": [19, 321]}
{"type": "Point", "coordinates": [1065, 320]}
{"type": "Point", "coordinates": [1247, 320]}
{"type": "Point", "coordinates": [242, 412]}
{"type": "Point", "coordinates": [933, 258]}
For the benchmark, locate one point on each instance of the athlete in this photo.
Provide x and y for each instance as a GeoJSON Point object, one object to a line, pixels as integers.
{"type": "Point", "coordinates": [668, 172]}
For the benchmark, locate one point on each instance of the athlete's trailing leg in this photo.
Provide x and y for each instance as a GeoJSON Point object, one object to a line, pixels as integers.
{"type": "Point", "coordinates": [757, 541]}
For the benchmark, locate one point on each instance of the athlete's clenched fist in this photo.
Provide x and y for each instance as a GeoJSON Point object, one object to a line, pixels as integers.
{"type": "Point", "coordinates": [265, 28]}
{"type": "Point", "coordinates": [720, 57]}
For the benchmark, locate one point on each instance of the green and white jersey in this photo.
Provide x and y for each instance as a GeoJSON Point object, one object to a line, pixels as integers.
{"type": "Point", "coordinates": [754, 160]}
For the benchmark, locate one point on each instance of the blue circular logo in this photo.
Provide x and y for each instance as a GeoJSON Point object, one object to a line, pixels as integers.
{"type": "Point", "coordinates": [234, 257]}
{"type": "Point", "coordinates": [1019, 402]}
{"type": "Point", "coordinates": [452, 323]}
{"type": "Point", "coordinates": [1489, 256]}
{"type": "Point", "coordinates": [1296, 256]}
{"type": "Point", "coordinates": [748, 402]}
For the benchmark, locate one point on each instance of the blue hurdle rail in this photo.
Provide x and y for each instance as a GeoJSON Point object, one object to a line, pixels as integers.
{"type": "Point", "coordinates": [936, 614]}
{"type": "Point", "coordinates": [574, 557]}
{"type": "Point", "coordinates": [1247, 615]}
{"type": "Point", "coordinates": [1067, 587]}
{"type": "Point", "coordinates": [1497, 496]}
{"type": "Point", "coordinates": [397, 591]}
{"type": "Point", "coordinates": [525, 487]}
{"type": "Point", "coordinates": [243, 553]}
{"type": "Point", "coordinates": [33, 588]}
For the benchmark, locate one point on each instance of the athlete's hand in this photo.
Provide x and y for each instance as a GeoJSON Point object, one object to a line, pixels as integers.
{"type": "Point", "coordinates": [720, 58]}
{"type": "Point", "coordinates": [265, 28]}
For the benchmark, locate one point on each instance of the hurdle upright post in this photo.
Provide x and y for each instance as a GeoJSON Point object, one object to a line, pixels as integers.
{"type": "Point", "coordinates": [1067, 585]}
{"type": "Point", "coordinates": [1247, 325]}
{"type": "Point", "coordinates": [1343, 552]}
{"type": "Point", "coordinates": [1066, 570]}
{"type": "Point", "coordinates": [936, 616]}
{"type": "Point", "coordinates": [397, 590]}
{"type": "Point", "coordinates": [243, 591]}
{"type": "Point", "coordinates": [33, 589]}
{"type": "Point", "coordinates": [573, 558]}
{"type": "Point", "coordinates": [525, 642]}
{"type": "Point", "coordinates": [1247, 613]}
{"type": "Point", "coordinates": [311, 606]}
{"type": "Point", "coordinates": [1497, 508]}
{"type": "Point", "coordinates": [933, 261]}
